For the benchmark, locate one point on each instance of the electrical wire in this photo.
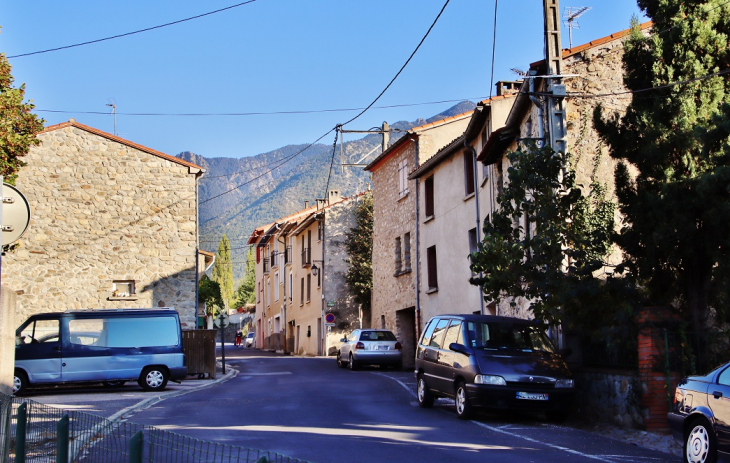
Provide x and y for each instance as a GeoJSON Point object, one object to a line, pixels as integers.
{"type": "Point", "coordinates": [255, 113]}
{"type": "Point", "coordinates": [494, 48]}
{"type": "Point", "coordinates": [133, 32]}
{"type": "Point", "coordinates": [402, 68]}
{"type": "Point", "coordinates": [267, 172]}
{"type": "Point", "coordinates": [334, 150]}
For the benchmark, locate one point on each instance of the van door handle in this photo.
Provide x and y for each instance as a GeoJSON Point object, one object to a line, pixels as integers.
{"type": "Point", "coordinates": [717, 394]}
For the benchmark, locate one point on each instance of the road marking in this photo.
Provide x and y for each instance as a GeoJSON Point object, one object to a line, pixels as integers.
{"type": "Point", "coordinates": [503, 431]}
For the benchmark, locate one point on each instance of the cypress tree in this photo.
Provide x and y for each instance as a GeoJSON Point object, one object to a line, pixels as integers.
{"type": "Point", "coordinates": [673, 146]}
{"type": "Point", "coordinates": [223, 271]}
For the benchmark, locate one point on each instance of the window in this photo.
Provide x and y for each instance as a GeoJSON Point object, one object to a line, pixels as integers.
{"type": "Point", "coordinates": [724, 377]}
{"type": "Point", "coordinates": [291, 285]}
{"type": "Point", "coordinates": [428, 199]}
{"type": "Point", "coordinates": [124, 332]}
{"type": "Point", "coordinates": [301, 293]}
{"type": "Point", "coordinates": [40, 331]}
{"type": "Point", "coordinates": [123, 288]}
{"type": "Point", "coordinates": [431, 263]}
{"type": "Point", "coordinates": [428, 332]}
{"type": "Point", "coordinates": [268, 289]}
{"type": "Point", "coordinates": [276, 286]}
{"type": "Point", "coordinates": [407, 252]}
{"type": "Point", "coordinates": [468, 172]}
{"type": "Point", "coordinates": [438, 333]}
{"type": "Point", "coordinates": [309, 287]}
{"type": "Point", "coordinates": [453, 334]}
{"type": "Point", "coordinates": [403, 178]}
{"type": "Point", "coordinates": [320, 227]}
{"type": "Point", "coordinates": [473, 243]}
{"type": "Point", "coordinates": [397, 256]}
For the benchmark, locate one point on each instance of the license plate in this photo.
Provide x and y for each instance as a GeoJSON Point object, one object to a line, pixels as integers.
{"type": "Point", "coordinates": [383, 348]}
{"type": "Point", "coordinates": [531, 396]}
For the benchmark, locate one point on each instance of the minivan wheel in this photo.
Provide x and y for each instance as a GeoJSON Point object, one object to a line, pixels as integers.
{"type": "Point", "coordinates": [464, 409]}
{"type": "Point", "coordinates": [699, 444]}
{"type": "Point", "coordinates": [20, 382]}
{"type": "Point", "coordinates": [153, 379]}
{"type": "Point", "coordinates": [425, 398]}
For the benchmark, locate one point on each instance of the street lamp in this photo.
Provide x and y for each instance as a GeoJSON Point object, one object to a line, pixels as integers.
{"type": "Point", "coordinates": [315, 269]}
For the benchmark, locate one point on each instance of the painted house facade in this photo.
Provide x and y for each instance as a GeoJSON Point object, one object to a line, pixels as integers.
{"type": "Point", "coordinates": [396, 271]}
{"type": "Point", "coordinates": [113, 224]}
{"type": "Point", "coordinates": [300, 278]}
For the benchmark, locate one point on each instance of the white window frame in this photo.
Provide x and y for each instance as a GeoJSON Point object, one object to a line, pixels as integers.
{"type": "Point", "coordinates": [403, 178]}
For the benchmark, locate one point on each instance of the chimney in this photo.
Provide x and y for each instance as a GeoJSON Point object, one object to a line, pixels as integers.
{"type": "Point", "coordinates": [508, 87]}
{"type": "Point", "coordinates": [306, 204]}
{"type": "Point", "coordinates": [334, 196]}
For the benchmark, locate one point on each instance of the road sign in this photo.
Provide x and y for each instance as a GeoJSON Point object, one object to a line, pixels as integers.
{"type": "Point", "coordinates": [331, 304]}
{"type": "Point", "coordinates": [329, 318]}
{"type": "Point", "coordinates": [222, 318]}
{"type": "Point", "coordinates": [16, 214]}
{"type": "Point", "coordinates": [329, 325]}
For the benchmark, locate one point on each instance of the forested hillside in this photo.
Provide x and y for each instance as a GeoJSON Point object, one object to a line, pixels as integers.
{"type": "Point", "coordinates": [238, 195]}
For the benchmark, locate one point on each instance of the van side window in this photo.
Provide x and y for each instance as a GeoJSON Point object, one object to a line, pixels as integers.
{"type": "Point", "coordinates": [86, 332]}
{"type": "Point", "coordinates": [438, 333]}
{"type": "Point", "coordinates": [426, 337]}
{"type": "Point", "coordinates": [40, 331]}
{"type": "Point", "coordinates": [124, 332]}
{"type": "Point", "coordinates": [453, 334]}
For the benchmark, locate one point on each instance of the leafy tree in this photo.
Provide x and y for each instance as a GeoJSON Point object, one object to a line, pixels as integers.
{"type": "Point", "coordinates": [246, 292]}
{"type": "Point", "coordinates": [673, 144]}
{"type": "Point", "coordinates": [223, 271]}
{"type": "Point", "coordinates": [359, 246]}
{"type": "Point", "coordinates": [209, 293]}
{"type": "Point", "coordinates": [18, 126]}
{"type": "Point", "coordinates": [546, 240]}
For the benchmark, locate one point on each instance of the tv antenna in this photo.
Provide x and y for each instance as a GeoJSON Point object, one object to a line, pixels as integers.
{"type": "Point", "coordinates": [571, 13]}
{"type": "Point", "coordinates": [114, 111]}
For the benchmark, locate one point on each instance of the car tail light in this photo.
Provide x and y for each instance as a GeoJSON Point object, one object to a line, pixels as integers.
{"type": "Point", "coordinates": [359, 345]}
{"type": "Point", "coordinates": [398, 346]}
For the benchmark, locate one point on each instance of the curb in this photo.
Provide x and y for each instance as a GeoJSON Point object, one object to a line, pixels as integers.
{"type": "Point", "coordinates": [147, 403]}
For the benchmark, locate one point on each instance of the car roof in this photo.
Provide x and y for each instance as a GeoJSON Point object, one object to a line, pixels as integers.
{"type": "Point", "coordinates": [489, 318]}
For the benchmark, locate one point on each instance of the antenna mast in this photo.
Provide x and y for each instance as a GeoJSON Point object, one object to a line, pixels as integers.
{"type": "Point", "coordinates": [114, 111]}
{"type": "Point", "coordinates": [571, 13]}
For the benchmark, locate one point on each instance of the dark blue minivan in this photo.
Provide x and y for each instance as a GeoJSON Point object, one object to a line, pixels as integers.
{"type": "Point", "coordinates": [109, 346]}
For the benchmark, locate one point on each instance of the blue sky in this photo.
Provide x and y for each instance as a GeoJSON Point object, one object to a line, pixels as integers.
{"type": "Point", "coordinates": [271, 55]}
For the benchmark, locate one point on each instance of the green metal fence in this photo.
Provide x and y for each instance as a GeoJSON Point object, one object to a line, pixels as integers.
{"type": "Point", "coordinates": [31, 432]}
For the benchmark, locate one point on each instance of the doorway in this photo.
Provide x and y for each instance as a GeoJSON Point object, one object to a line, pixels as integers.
{"type": "Point", "coordinates": [405, 326]}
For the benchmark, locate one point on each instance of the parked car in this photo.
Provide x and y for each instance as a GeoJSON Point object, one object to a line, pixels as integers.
{"type": "Point", "coordinates": [370, 347]}
{"type": "Point", "coordinates": [700, 416]}
{"type": "Point", "coordinates": [248, 342]}
{"type": "Point", "coordinates": [490, 362]}
{"type": "Point", "coordinates": [100, 346]}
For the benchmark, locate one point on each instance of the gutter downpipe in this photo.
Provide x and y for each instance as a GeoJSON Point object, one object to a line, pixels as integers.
{"type": "Point", "coordinates": [283, 304]}
{"type": "Point", "coordinates": [197, 250]}
{"type": "Point", "coordinates": [418, 246]}
{"type": "Point", "coordinates": [473, 152]}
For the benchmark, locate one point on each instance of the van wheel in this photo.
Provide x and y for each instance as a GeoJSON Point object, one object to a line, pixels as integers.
{"type": "Point", "coordinates": [425, 398]}
{"type": "Point", "coordinates": [153, 379]}
{"type": "Point", "coordinates": [464, 409]}
{"type": "Point", "coordinates": [20, 382]}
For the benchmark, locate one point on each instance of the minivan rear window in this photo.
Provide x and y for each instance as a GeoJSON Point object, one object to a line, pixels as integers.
{"type": "Point", "coordinates": [124, 332]}
{"type": "Point", "coordinates": [438, 333]}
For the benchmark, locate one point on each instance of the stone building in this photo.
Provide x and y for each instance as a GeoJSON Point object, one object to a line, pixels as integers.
{"type": "Point", "coordinates": [113, 225]}
{"type": "Point", "coordinates": [300, 278]}
{"type": "Point", "coordinates": [396, 270]}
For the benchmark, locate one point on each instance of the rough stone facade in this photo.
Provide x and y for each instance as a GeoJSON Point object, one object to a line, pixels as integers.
{"type": "Point", "coordinates": [105, 213]}
{"type": "Point", "coordinates": [610, 397]}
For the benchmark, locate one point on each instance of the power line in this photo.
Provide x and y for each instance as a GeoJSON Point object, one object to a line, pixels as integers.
{"type": "Point", "coordinates": [402, 68]}
{"type": "Point", "coordinates": [329, 173]}
{"type": "Point", "coordinates": [254, 113]}
{"type": "Point", "coordinates": [268, 171]}
{"type": "Point", "coordinates": [134, 32]}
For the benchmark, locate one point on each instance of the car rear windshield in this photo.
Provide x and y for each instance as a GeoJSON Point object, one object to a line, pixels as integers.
{"type": "Point", "coordinates": [377, 336]}
{"type": "Point", "coordinates": [488, 335]}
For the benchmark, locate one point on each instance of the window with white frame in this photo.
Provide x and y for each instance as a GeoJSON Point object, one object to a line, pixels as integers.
{"type": "Point", "coordinates": [123, 288]}
{"type": "Point", "coordinates": [276, 286]}
{"type": "Point", "coordinates": [403, 178]}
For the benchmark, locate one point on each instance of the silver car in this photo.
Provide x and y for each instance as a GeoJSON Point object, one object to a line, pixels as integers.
{"type": "Point", "coordinates": [370, 347]}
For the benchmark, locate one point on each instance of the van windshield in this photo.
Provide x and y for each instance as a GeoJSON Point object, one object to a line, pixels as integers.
{"type": "Point", "coordinates": [494, 336]}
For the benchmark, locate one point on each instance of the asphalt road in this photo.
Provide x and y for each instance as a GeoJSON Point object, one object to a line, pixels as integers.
{"type": "Point", "coordinates": [307, 408]}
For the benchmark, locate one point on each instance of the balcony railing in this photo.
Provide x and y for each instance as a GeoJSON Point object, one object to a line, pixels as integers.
{"type": "Point", "coordinates": [287, 255]}
{"type": "Point", "coordinates": [306, 257]}
{"type": "Point", "coordinates": [274, 259]}
{"type": "Point", "coordinates": [266, 265]}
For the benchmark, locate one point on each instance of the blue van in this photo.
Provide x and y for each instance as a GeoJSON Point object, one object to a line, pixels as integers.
{"type": "Point", "coordinates": [111, 346]}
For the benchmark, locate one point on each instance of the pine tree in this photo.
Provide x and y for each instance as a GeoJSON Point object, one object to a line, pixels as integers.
{"type": "Point", "coordinates": [18, 126]}
{"type": "Point", "coordinates": [673, 144]}
{"type": "Point", "coordinates": [223, 271]}
{"type": "Point", "coordinates": [359, 245]}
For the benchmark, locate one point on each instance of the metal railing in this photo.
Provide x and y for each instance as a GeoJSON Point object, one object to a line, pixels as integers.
{"type": "Point", "coordinates": [36, 433]}
{"type": "Point", "coordinates": [266, 265]}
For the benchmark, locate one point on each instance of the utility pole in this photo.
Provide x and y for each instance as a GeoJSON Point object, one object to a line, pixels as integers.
{"type": "Point", "coordinates": [555, 89]}
{"type": "Point", "coordinates": [114, 111]}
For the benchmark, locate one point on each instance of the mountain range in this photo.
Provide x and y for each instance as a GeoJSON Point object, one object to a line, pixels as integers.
{"type": "Point", "coordinates": [238, 195]}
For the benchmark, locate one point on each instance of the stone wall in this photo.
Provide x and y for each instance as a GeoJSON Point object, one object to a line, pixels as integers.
{"type": "Point", "coordinates": [104, 211]}
{"type": "Point", "coordinates": [609, 397]}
